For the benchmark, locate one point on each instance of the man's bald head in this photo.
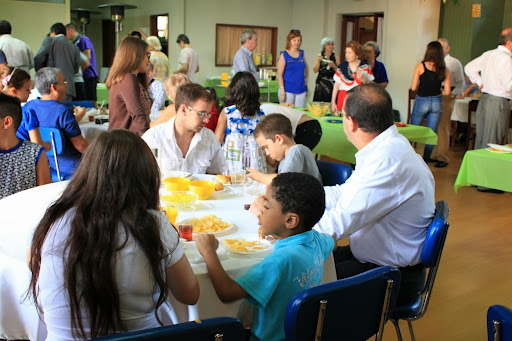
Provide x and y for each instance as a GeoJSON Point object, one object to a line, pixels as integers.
{"type": "Point", "coordinates": [505, 36]}
{"type": "Point", "coordinates": [370, 106]}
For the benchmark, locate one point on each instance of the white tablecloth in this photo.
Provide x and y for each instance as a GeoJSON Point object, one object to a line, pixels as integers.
{"type": "Point", "coordinates": [22, 212]}
{"type": "Point", "coordinates": [90, 129]}
{"type": "Point", "coordinates": [460, 110]}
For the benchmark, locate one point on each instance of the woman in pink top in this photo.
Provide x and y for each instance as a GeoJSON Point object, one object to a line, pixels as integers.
{"type": "Point", "coordinates": [129, 100]}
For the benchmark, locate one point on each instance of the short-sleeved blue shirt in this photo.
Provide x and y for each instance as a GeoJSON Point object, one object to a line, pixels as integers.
{"type": "Point", "coordinates": [29, 122]}
{"type": "Point", "coordinates": [379, 72]}
{"type": "Point", "coordinates": [84, 43]}
{"type": "Point", "coordinates": [297, 263]}
{"type": "Point", "coordinates": [53, 114]}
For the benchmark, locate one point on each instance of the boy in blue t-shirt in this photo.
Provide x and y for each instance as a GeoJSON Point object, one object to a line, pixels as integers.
{"type": "Point", "coordinates": [293, 203]}
{"type": "Point", "coordinates": [274, 134]}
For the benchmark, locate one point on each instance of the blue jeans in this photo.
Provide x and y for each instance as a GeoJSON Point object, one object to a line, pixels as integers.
{"type": "Point", "coordinates": [432, 107]}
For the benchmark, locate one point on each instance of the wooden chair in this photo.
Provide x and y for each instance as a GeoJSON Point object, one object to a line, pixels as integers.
{"type": "Point", "coordinates": [412, 95]}
{"type": "Point", "coordinates": [471, 132]}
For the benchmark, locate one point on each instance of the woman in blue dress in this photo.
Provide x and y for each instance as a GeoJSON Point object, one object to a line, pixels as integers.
{"type": "Point", "coordinates": [292, 72]}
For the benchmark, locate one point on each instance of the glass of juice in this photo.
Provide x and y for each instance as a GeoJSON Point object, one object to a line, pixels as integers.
{"type": "Point", "coordinates": [185, 231]}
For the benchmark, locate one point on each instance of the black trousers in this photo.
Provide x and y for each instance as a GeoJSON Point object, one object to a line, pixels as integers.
{"type": "Point", "coordinates": [413, 277]}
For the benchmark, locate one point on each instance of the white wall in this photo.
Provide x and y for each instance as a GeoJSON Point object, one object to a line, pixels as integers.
{"type": "Point", "coordinates": [31, 21]}
{"type": "Point", "coordinates": [408, 27]}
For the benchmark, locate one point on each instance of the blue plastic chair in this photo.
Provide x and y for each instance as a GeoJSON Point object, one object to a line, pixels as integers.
{"type": "Point", "coordinates": [333, 173]}
{"type": "Point", "coordinates": [214, 329]}
{"type": "Point", "coordinates": [353, 308]}
{"type": "Point", "coordinates": [499, 323]}
{"type": "Point", "coordinates": [85, 104]}
{"type": "Point", "coordinates": [430, 259]}
{"type": "Point", "coordinates": [54, 135]}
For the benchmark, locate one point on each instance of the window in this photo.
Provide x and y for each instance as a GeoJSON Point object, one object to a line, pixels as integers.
{"type": "Point", "coordinates": [228, 42]}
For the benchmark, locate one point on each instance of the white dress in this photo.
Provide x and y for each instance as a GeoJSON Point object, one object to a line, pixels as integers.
{"type": "Point", "coordinates": [240, 146]}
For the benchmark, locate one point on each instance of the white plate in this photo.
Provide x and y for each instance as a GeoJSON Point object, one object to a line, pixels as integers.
{"type": "Point", "coordinates": [195, 257]}
{"type": "Point", "coordinates": [224, 232]}
{"type": "Point", "coordinates": [265, 245]}
{"type": "Point", "coordinates": [499, 151]}
{"type": "Point", "coordinates": [175, 174]}
{"type": "Point", "coordinates": [500, 147]}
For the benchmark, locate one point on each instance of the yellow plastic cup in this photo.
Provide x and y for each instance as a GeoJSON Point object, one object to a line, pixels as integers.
{"type": "Point", "coordinates": [172, 214]}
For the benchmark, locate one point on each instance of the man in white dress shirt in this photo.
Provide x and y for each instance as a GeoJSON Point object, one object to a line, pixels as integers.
{"type": "Point", "coordinates": [184, 142]}
{"type": "Point", "coordinates": [242, 61]}
{"type": "Point", "coordinates": [387, 204]}
{"type": "Point", "coordinates": [18, 53]}
{"type": "Point", "coordinates": [492, 72]}
{"type": "Point", "coordinates": [458, 84]}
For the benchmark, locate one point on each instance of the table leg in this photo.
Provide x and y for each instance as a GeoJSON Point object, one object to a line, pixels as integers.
{"type": "Point", "coordinates": [453, 134]}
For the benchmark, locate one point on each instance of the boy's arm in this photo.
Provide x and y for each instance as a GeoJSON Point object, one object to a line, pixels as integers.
{"type": "Point", "coordinates": [259, 176]}
{"type": "Point", "coordinates": [226, 288]}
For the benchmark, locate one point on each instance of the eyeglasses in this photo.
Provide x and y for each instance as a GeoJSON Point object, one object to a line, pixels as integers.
{"type": "Point", "coordinates": [202, 115]}
{"type": "Point", "coordinates": [63, 82]}
{"type": "Point", "coordinates": [295, 31]}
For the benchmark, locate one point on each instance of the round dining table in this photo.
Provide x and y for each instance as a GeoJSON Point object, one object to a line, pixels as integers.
{"type": "Point", "coordinates": [21, 212]}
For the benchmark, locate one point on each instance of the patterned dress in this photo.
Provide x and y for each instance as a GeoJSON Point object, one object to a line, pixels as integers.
{"type": "Point", "coordinates": [240, 146]}
{"type": "Point", "coordinates": [18, 166]}
{"type": "Point", "coordinates": [348, 80]}
{"type": "Point", "coordinates": [324, 81]}
{"type": "Point", "coordinates": [160, 66]}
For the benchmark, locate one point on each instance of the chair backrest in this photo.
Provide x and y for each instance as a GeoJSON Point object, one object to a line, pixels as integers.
{"type": "Point", "coordinates": [354, 308]}
{"type": "Point", "coordinates": [436, 236]}
{"type": "Point", "coordinates": [430, 259]}
{"type": "Point", "coordinates": [411, 95]}
{"type": "Point", "coordinates": [55, 136]}
{"type": "Point", "coordinates": [85, 104]}
{"type": "Point", "coordinates": [499, 323]}
{"type": "Point", "coordinates": [59, 139]}
{"type": "Point", "coordinates": [219, 328]}
{"type": "Point", "coordinates": [333, 173]}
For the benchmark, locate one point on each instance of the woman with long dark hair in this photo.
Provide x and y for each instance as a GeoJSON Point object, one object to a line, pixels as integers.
{"type": "Point", "coordinates": [237, 122]}
{"type": "Point", "coordinates": [427, 78]}
{"type": "Point", "coordinates": [103, 257]}
{"type": "Point", "coordinates": [129, 100]}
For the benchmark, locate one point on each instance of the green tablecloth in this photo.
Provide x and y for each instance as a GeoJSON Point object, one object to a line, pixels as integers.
{"type": "Point", "coordinates": [334, 143]}
{"type": "Point", "coordinates": [102, 93]}
{"type": "Point", "coordinates": [221, 91]}
{"type": "Point", "coordinates": [484, 168]}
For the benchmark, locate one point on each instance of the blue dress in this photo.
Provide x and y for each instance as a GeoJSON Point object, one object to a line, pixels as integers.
{"type": "Point", "coordinates": [293, 75]}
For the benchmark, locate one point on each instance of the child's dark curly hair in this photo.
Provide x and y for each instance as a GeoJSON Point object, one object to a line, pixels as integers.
{"type": "Point", "coordinates": [302, 194]}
